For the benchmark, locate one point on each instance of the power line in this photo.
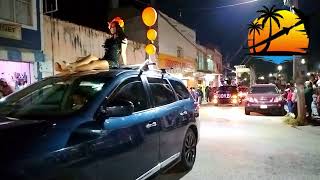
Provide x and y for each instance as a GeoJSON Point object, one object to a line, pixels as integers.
{"type": "Point", "coordinates": [176, 29]}
{"type": "Point", "coordinates": [236, 4]}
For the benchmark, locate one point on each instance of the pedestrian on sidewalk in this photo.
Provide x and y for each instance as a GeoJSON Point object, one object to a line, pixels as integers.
{"type": "Point", "coordinates": [194, 94]}
{"type": "Point", "coordinates": [289, 100]}
{"type": "Point", "coordinates": [294, 100]}
{"type": "Point", "coordinates": [308, 92]}
{"type": "Point", "coordinates": [207, 91]}
{"type": "Point", "coordinates": [200, 94]}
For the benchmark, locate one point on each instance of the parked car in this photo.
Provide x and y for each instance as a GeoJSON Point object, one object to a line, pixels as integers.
{"type": "Point", "coordinates": [264, 98]}
{"type": "Point", "coordinates": [226, 95]}
{"type": "Point", "coordinates": [117, 124]}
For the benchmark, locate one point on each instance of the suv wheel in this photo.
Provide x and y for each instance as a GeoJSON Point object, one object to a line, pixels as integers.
{"type": "Point", "coordinates": [246, 112]}
{"type": "Point", "coordinates": [189, 151]}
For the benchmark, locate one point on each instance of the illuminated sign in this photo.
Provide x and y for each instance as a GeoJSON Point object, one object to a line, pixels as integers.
{"type": "Point", "coordinates": [278, 33]}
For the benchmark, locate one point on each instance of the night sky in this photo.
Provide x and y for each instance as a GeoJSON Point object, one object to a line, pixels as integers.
{"type": "Point", "coordinates": [224, 28]}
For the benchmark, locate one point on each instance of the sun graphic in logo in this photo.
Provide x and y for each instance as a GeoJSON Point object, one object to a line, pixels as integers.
{"type": "Point", "coordinates": [278, 32]}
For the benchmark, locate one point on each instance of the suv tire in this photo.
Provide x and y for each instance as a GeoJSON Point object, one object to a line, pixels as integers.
{"type": "Point", "coordinates": [246, 112]}
{"type": "Point", "coordinates": [189, 151]}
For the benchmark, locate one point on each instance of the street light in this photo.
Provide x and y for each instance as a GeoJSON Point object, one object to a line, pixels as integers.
{"type": "Point", "coordinates": [303, 61]}
{"type": "Point", "coordinates": [270, 75]}
{"type": "Point", "coordinates": [308, 74]}
{"type": "Point", "coordinates": [279, 68]}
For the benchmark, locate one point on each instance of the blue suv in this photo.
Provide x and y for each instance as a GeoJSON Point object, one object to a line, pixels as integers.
{"type": "Point", "coordinates": [118, 124]}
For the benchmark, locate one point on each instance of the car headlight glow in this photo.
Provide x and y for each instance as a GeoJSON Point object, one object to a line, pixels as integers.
{"type": "Point", "coordinates": [277, 99]}
{"type": "Point", "coordinates": [252, 100]}
{"type": "Point", "coordinates": [234, 97]}
{"type": "Point", "coordinates": [234, 101]}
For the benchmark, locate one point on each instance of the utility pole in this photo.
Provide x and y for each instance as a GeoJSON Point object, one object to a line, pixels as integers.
{"type": "Point", "coordinates": [298, 76]}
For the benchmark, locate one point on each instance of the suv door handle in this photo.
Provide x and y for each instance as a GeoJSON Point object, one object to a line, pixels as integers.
{"type": "Point", "coordinates": [183, 113]}
{"type": "Point", "coordinates": [150, 125]}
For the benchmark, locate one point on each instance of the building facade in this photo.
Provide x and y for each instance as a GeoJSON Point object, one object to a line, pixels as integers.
{"type": "Point", "coordinates": [177, 49]}
{"type": "Point", "coordinates": [176, 45]}
{"type": "Point", "coordinates": [209, 66]}
{"type": "Point", "coordinates": [21, 44]}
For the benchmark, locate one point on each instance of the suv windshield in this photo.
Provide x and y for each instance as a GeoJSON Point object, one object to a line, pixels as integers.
{"type": "Point", "coordinates": [52, 97]}
{"type": "Point", "coordinates": [264, 90]}
{"type": "Point", "coordinates": [232, 89]}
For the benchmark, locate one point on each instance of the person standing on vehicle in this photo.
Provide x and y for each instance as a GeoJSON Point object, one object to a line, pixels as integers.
{"type": "Point", "coordinates": [114, 48]}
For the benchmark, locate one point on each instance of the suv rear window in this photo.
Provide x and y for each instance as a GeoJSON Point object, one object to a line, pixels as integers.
{"type": "Point", "coordinates": [180, 89]}
{"type": "Point", "coordinates": [161, 92]}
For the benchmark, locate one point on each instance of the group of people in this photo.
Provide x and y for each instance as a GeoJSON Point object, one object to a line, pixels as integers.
{"type": "Point", "coordinates": [201, 95]}
{"type": "Point", "coordinates": [311, 94]}
{"type": "Point", "coordinates": [197, 94]}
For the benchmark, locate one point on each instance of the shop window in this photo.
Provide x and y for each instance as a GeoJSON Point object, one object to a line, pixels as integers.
{"type": "Point", "coordinates": [18, 11]}
{"type": "Point", "coordinates": [179, 52]}
{"type": "Point", "coordinates": [201, 63]}
{"type": "Point", "coordinates": [210, 64]}
{"type": "Point", "coordinates": [16, 74]}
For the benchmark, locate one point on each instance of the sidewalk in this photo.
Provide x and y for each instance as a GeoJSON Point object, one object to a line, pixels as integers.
{"type": "Point", "coordinates": [314, 128]}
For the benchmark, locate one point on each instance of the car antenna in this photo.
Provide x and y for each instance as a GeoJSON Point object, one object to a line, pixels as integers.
{"type": "Point", "coordinates": [163, 72]}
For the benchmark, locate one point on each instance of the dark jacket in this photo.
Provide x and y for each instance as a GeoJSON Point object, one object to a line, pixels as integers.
{"type": "Point", "coordinates": [308, 92]}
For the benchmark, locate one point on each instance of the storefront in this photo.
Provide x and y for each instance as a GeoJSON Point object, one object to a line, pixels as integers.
{"type": "Point", "coordinates": [16, 74]}
{"type": "Point", "coordinates": [208, 79]}
{"type": "Point", "coordinates": [181, 68]}
{"type": "Point", "coordinates": [21, 46]}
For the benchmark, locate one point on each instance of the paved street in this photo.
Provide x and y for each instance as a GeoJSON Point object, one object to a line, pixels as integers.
{"type": "Point", "coordinates": [235, 146]}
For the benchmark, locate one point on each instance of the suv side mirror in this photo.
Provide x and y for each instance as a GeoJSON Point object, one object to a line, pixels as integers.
{"type": "Point", "coordinates": [118, 109]}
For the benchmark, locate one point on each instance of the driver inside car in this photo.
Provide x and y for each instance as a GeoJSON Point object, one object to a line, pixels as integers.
{"type": "Point", "coordinates": [79, 100]}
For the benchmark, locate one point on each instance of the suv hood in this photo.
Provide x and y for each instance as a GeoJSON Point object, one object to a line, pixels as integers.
{"type": "Point", "coordinates": [16, 136]}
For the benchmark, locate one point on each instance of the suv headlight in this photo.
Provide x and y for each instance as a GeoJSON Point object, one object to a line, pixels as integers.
{"type": "Point", "coordinates": [277, 99]}
{"type": "Point", "coordinates": [252, 100]}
